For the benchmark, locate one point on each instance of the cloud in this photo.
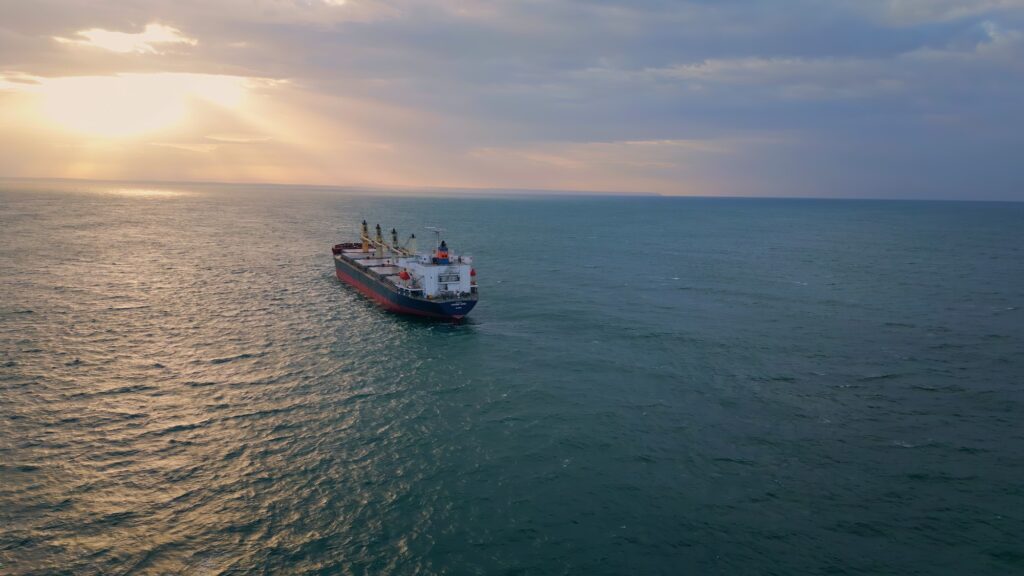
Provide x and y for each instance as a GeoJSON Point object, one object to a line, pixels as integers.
{"type": "Point", "coordinates": [913, 12]}
{"type": "Point", "coordinates": [190, 147]}
{"type": "Point", "coordinates": [662, 166]}
{"type": "Point", "coordinates": [825, 78]}
{"type": "Point", "coordinates": [144, 42]}
{"type": "Point", "coordinates": [16, 80]}
{"type": "Point", "coordinates": [238, 138]}
{"type": "Point", "coordinates": [645, 95]}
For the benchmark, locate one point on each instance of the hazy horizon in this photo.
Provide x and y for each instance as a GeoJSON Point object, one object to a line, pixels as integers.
{"type": "Point", "coordinates": [456, 192]}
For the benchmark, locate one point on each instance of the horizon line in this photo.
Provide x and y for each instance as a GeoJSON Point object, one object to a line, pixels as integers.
{"type": "Point", "coordinates": [535, 192]}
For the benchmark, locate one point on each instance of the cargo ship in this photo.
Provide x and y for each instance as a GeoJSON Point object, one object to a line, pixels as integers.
{"type": "Point", "coordinates": [440, 284]}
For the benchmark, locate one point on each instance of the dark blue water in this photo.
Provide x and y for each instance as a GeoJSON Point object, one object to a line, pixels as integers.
{"type": "Point", "coordinates": [648, 386]}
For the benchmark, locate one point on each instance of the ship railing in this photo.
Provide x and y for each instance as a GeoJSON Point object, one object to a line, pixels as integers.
{"type": "Point", "coordinates": [440, 297]}
{"type": "Point", "coordinates": [445, 296]}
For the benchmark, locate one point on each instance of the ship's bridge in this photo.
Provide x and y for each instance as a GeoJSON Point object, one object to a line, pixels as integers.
{"type": "Point", "coordinates": [438, 276]}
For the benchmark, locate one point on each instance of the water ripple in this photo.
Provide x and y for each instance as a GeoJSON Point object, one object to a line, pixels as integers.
{"type": "Point", "coordinates": [209, 400]}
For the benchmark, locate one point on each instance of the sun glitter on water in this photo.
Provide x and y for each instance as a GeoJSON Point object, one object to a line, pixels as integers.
{"type": "Point", "coordinates": [146, 192]}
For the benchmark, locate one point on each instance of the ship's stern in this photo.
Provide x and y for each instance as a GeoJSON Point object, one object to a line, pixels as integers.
{"type": "Point", "coordinates": [456, 309]}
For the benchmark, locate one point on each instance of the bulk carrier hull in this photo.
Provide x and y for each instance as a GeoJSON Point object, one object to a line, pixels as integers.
{"type": "Point", "coordinates": [390, 298]}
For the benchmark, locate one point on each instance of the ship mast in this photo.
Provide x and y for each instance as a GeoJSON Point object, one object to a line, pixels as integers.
{"type": "Point", "coordinates": [380, 243]}
{"type": "Point", "coordinates": [437, 235]}
{"type": "Point", "coordinates": [365, 235]}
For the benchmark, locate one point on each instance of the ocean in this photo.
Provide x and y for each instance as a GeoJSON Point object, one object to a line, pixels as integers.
{"type": "Point", "coordinates": [649, 385]}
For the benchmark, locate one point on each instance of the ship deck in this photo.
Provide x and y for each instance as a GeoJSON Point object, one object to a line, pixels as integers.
{"type": "Point", "coordinates": [385, 271]}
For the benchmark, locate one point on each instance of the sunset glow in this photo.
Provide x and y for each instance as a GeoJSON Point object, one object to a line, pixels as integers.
{"type": "Point", "coordinates": [132, 104]}
{"type": "Point", "coordinates": [672, 98]}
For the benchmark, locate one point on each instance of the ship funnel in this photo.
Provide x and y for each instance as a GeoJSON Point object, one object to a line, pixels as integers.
{"type": "Point", "coordinates": [442, 253]}
{"type": "Point", "coordinates": [365, 235]}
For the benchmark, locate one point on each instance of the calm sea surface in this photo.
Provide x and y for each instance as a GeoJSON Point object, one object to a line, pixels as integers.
{"type": "Point", "coordinates": [648, 386]}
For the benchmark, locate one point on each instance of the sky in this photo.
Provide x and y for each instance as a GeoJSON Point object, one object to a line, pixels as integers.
{"type": "Point", "coordinates": [839, 98]}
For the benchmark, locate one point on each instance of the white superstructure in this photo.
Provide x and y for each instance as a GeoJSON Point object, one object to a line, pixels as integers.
{"type": "Point", "coordinates": [441, 274]}
{"type": "Point", "coordinates": [436, 277]}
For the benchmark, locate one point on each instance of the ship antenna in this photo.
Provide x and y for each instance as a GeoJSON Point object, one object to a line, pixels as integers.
{"type": "Point", "coordinates": [437, 234]}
